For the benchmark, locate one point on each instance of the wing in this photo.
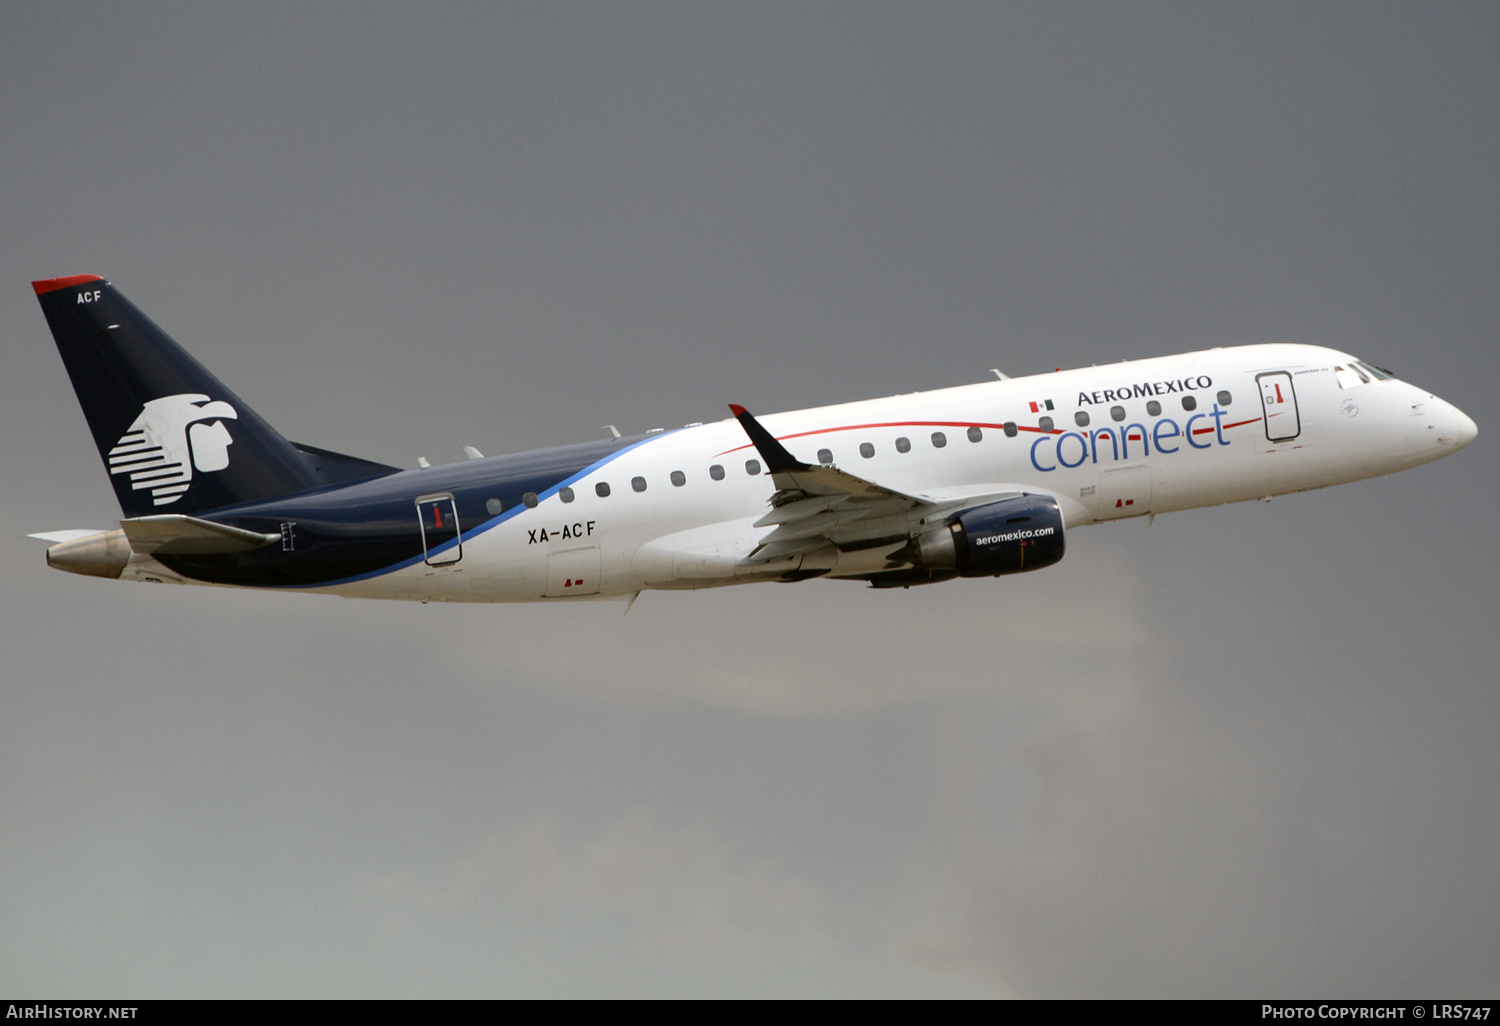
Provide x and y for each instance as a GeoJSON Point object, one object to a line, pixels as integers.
{"type": "Point", "coordinates": [817, 505]}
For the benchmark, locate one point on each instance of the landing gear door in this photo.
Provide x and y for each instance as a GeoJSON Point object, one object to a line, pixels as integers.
{"type": "Point", "coordinates": [1279, 405]}
{"type": "Point", "coordinates": [442, 542]}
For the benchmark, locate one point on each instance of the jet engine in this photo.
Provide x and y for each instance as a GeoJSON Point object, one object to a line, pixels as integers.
{"type": "Point", "coordinates": [98, 555]}
{"type": "Point", "coordinates": [1007, 537]}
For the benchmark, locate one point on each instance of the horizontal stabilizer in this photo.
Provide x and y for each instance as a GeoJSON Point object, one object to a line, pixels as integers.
{"type": "Point", "coordinates": [179, 535]}
{"type": "Point", "coordinates": [54, 537]}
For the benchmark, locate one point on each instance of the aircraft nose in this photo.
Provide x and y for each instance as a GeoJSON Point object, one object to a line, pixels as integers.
{"type": "Point", "coordinates": [1464, 428]}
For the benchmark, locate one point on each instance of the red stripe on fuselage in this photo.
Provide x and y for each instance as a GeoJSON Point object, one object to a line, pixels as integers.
{"type": "Point", "coordinates": [1238, 423]}
{"type": "Point", "coordinates": [890, 424]}
{"type": "Point", "coordinates": [950, 423]}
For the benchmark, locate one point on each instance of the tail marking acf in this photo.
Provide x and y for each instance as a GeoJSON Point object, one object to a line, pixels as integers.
{"type": "Point", "coordinates": [160, 450]}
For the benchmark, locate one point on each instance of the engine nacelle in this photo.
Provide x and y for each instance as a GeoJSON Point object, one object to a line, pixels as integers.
{"type": "Point", "coordinates": [99, 555]}
{"type": "Point", "coordinates": [1007, 537]}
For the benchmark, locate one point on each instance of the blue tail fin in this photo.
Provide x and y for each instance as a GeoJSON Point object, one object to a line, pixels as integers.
{"type": "Point", "coordinates": [173, 438]}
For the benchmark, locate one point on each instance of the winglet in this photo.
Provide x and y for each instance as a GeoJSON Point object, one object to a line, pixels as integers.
{"type": "Point", "coordinates": [778, 460]}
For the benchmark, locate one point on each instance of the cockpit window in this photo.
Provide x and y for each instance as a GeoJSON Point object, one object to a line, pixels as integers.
{"type": "Point", "coordinates": [1357, 373]}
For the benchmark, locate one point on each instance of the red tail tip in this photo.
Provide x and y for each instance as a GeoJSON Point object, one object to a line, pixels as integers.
{"type": "Point", "coordinates": [737, 409]}
{"type": "Point", "coordinates": [53, 284]}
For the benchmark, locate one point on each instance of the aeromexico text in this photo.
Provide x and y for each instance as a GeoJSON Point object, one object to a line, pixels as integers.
{"type": "Point", "coordinates": [1060, 448]}
{"type": "Point", "coordinates": [1141, 391]}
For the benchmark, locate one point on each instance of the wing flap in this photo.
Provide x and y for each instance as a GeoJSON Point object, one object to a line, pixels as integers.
{"type": "Point", "coordinates": [798, 509]}
{"type": "Point", "coordinates": [766, 552]}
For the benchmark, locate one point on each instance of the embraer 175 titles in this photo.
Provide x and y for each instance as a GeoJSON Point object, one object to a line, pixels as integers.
{"type": "Point", "coordinates": [973, 481]}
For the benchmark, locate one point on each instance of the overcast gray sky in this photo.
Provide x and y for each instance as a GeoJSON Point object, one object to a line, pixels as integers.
{"type": "Point", "coordinates": [1247, 751]}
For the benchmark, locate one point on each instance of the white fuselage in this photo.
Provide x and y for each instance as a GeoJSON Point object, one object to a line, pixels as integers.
{"type": "Point", "coordinates": [1268, 420]}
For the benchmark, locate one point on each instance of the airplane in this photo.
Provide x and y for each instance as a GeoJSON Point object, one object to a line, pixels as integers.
{"type": "Point", "coordinates": [976, 480]}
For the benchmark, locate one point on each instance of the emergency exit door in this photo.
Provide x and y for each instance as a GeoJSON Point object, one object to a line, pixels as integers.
{"type": "Point", "coordinates": [1278, 403]}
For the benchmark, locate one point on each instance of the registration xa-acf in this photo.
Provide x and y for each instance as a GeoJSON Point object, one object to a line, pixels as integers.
{"type": "Point", "coordinates": [972, 481]}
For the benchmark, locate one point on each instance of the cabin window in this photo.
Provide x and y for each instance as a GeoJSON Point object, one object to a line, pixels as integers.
{"type": "Point", "coordinates": [866, 450]}
{"type": "Point", "coordinates": [825, 456]}
{"type": "Point", "coordinates": [494, 506]}
{"type": "Point", "coordinates": [679, 478]}
{"type": "Point", "coordinates": [752, 467]}
{"type": "Point", "coordinates": [602, 489]}
{"type": "Point", "coordinates": [530, 499]}
{"type": "Point", "coordinates": [1117, 413]}
{"type": "Point", "coordinates": [638, 483]}
{"type": "Point", "coordinates": [939, 439]}
{"type": "Point", "coordinates": [1153, 408]}
{"type": "Point", "coordinates": [1225, 398]}
{"type": "Point", "coordinates": [1010, 429]}
{"type": "Point", "coordinates": [975, 434]}
{"type": "Point", "coordinates": [716, 472]}
{"type": "Point", "coordinates": [1189, 402]}
{"type": "Point", "coordinates": [903, 444]}
{"type": "Point", "coordinates": [1045, 424]}
{"type": "Point", "coordinates": [565, 494]}
{"type": "Point", "coordinates": [1081, 418]}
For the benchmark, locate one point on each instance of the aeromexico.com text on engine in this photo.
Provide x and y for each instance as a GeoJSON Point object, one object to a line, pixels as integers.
{"type": "Point", "coordinates": [996, 539]}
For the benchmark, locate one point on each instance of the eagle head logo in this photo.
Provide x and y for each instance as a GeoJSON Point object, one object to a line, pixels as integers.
{"type": "Point", "coordinates": [173, 436]}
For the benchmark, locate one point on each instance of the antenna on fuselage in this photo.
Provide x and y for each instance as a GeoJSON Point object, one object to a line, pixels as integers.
{"type": "Point", "coordinates": [997, 372]}
{"type": "Point", "coordinates": [612, 430]}
{"type": "Point", "coordinates": [471, 453]}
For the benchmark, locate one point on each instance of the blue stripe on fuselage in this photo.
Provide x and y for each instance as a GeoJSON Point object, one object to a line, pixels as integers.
{"type": "Point", "coordinates": [493, 521]}
{"type": "Point", "coordinates": [370, 528]}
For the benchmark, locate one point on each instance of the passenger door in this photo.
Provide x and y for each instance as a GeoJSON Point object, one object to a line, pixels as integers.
{"type": "Point", "coordinates": [1278, 402]}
